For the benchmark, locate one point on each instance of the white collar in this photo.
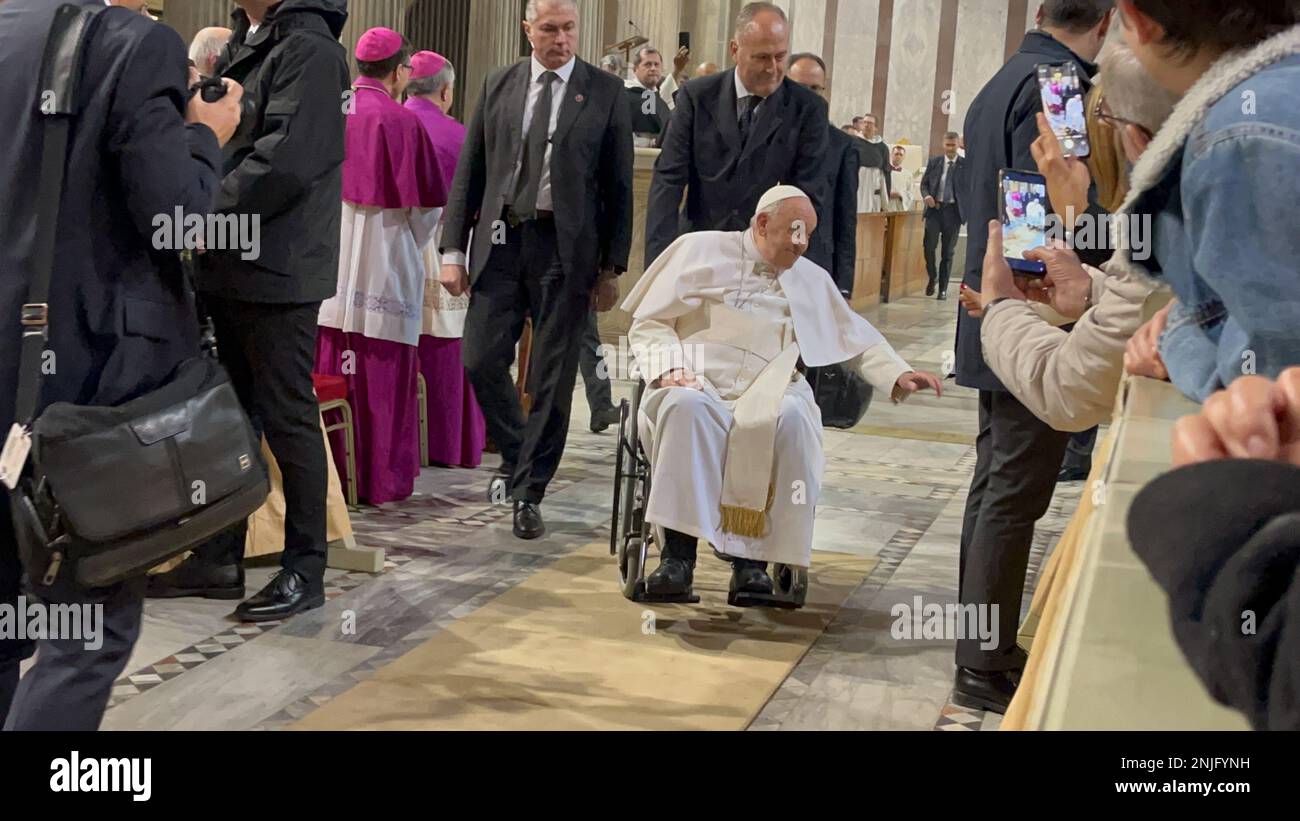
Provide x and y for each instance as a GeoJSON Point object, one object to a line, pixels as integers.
{"type": "Point", "coordinates": [565, 71]}
{"type": "Point", "coordinates": [741, 91]}
{"type": "Point", "coordinates": [749, 247]}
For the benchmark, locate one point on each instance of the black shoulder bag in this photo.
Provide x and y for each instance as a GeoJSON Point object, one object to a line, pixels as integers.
{"type": "Point", "coordinates": [113, 491]}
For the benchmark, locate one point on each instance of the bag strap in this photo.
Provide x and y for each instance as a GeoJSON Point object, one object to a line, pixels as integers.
{"type": "Point", "coordinates": [60, 78]}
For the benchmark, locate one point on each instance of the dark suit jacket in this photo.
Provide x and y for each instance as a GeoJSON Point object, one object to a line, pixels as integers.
{"type": "Point", "coordinates": [702, 158]}
{"type": "Point", "coordinates": [1001, 125]}
{"type": "Point", "coordinates": [932, 182]}
{"type": "Point", "coordinates": [656, 121]}
{"type": "Point", "coordinates": [591, 171]}
{"type": "Point", "coordinates": [834, 245]}
{"type": "Point", "coordinates": [121, 313]}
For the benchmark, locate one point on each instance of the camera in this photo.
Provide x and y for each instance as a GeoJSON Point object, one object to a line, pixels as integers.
{"type": "Point", "coordinates": [213, 89]}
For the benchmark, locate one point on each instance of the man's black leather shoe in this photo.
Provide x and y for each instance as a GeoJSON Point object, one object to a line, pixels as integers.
{"type": "Point", "coordinates": [287, 594]}
{"type": "Point", "coordinates": [528, 521]}
{"type": "Point", "coordinates": [602, 419]}
{"type": "Point", "coordinates": [197, 578]}
{"type": "Point", "coordinates": [675, 577]}
{"type": "Point", "coordinates": [929, 289]}
{"type": "Point", "coordinates": [750, 577]}
{"type": "Point", "coordinates": [1073, 474]}
{"type": "Point", "coordinates": [943, 296]}
{"type": "Point", "coordinates": [983, 689]}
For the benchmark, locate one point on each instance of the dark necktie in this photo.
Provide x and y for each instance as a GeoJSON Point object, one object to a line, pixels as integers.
{"type": "Point", "coordinates": [747, 118]}
{"type": "Point", "coordinates": [947, 185]}
{"type": "Point", "coordinates": [539, 132]}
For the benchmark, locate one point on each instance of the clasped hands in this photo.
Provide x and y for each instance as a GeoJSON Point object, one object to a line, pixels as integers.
{"type": "Point", "coordinates": [603, 297]}
{"type": "Point", "coordinates": [1254, 418]}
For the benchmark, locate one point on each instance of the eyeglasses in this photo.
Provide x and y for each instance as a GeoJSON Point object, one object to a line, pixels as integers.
{"type": "Point", "coordinates": [1102, 113]}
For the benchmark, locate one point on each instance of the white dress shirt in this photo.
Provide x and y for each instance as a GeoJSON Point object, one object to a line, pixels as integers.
{"type": "Point", "coordinates": [545, 201]}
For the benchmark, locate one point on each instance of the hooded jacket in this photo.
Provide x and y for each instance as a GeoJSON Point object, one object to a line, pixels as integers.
{"type": "Point", "coordinates": [284, 166]}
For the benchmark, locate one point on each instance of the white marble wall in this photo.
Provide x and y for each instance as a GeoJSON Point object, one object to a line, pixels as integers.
{"type": "Point", "coordinates": [981, 32]}
{"type": "Point", "coordinates": [808, 25]}
{"type": "Point", "coordinates": [854, 71]}
{"type": "Point", "coordinates": [913, 55]}
{"type": "Point", "coordinates": [1032, 14]}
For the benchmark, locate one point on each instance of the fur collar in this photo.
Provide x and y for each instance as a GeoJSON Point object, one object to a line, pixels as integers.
{"type": "Point", "coordinates": [1230, 71]}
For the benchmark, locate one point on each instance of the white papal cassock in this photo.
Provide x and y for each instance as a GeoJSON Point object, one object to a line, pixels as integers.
{"type": "Point", "coordinates": [710, 303]}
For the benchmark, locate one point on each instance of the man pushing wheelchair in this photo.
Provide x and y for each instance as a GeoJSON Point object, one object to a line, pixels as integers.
{"type": "Point", "coordinates": [733, 435]}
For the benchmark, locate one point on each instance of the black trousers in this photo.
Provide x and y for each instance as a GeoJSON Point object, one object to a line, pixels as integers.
{"type": "Point", "coordinates": [524, 277]}
{"type": "Point", "coordinates": [269, 351]}
{"type": "Point", "coordinates": [1018, 459]}
{"type": "Point", "coordinates": [943, 223]}
{"type": "Point", "coordinates": [69, 685]}
{"type": "Point", "coordinates": [599, 395]}
{"type": "Point", "coordinates": [1078, 453]}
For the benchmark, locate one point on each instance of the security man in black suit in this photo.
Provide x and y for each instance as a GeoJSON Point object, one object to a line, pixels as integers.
{"type": "Point", "coordinates": [545, 184]}
{"type": "Point", "coordinates": [943, 186]}
{"type": "Point", "coordinates": [834, 246]}
{"type": "Point", "coordinates": [736, 134]}
{"type": "Point", "coordinates": [649, 112]}
{"type": "Point", "coordinates": [284, 167]}
{"type": "Point", "coordinates": [122, 316]}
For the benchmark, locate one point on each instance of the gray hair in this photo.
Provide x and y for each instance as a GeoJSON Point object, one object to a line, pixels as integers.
{"type": "Point", "coordinates": [1130, 91]}
{"type": "Point", "coordinates": [534, 6]}
{"type": "Point", "coordinates": [207, 45]}
{"type": "Point", "coordinates": [642, 52]}
{"type": "Point", "coordinates": [429, 86]}
{"type": "Point", "coordinates": [745, 19]}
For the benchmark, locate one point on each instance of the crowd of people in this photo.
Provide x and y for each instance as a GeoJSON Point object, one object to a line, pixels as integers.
{"type": "Point", "coordinates": [403, 254]}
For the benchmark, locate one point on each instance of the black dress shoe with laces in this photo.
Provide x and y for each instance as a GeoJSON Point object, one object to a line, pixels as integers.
{"type": "Point", "coordinates": [287, 594]}
{"type": "Point", "coordinates": [675, 578]}
{"type": "Point", "coordinates": [199, 579]}
{"type": "Point", "coordinates": [984, 689]}
{"type": "Point", "coordinates": [528, 521]}
{"type": "Point", "coordinates": [750, 577]}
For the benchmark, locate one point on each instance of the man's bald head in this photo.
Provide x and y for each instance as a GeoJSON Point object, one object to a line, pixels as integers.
{"type": "Point", "coordinates": [760, 47]}
{"type": "Point", "coordinates": [706, 70]}
{"type": "Point", "coordinates": [206, 49]}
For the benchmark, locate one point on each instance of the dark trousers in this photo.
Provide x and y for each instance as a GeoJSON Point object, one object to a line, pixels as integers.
{"type": "Point", "coordinates": [1018, 458]}
{"type": "Point", "coordinates": [12, 651]}
{"type": "Point", "coordinates": [1078, 453]}
{"type": "Point", "coordinates": [269, 351]}
{"type": "Point", "coordinates": [599, 396]}
{"type": "Point", "coordinates": [943, 223]}
{"type": "Point", "coordinates": [69, 685]}
{"type": "Point", "coordinates": [524, 277]}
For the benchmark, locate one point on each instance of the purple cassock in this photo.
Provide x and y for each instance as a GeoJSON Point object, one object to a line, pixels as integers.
{"type": "Point", "coordinates": [457, 432]}
{"type": "Point", "coordinates": [389, 164]}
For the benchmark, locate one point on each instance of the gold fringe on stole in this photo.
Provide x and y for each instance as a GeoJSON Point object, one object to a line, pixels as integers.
{"type": "Point", "coordinates": [752, 524]}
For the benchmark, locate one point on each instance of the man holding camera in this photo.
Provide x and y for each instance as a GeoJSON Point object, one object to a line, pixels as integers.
{"type": "Point", "coordinates": [121, 315]}
{"type": "Point", "coordinates": [284, 171]}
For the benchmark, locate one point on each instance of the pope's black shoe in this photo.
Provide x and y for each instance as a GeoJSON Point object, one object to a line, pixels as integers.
{"type": "Point", "coordinates": [984, 689]}
{"type": "Point", "coordinates": [200, 579]}
{"type": "Point", "coordinates": [287, 594]}
{"type": "Point", "coordinates": [675, 578]}
{"type": "Point", "coordinates": [528, 520]}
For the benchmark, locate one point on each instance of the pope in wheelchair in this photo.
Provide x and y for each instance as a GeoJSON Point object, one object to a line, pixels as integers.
{"type": "Point", "coordinates": [730, 427]}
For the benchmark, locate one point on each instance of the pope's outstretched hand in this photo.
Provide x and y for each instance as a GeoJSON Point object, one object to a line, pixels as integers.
{"type": "Point", "coordinates": [913, 381]}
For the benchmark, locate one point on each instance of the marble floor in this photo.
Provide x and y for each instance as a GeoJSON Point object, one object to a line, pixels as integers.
{"type": "Point", "coordinates": [895, 492]}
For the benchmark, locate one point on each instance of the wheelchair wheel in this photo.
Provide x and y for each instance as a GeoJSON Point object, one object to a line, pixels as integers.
{"type": "Point", "coordinates": [630, 567]}
{"type": "Point", "coordinates": [791, 583]}
{"type": "Point", "coordinates": [617, 528]}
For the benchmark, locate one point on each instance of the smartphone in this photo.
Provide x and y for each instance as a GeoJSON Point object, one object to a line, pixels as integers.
{"type": "Point", "coordinates": [1024, 217]}
{"type": "Point", "coordinates": [684, 40]}
{"type": "Point", "coordinates": [1063, 103]}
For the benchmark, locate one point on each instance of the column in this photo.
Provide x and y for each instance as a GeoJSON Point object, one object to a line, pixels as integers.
{"type": "Point", "coordinates": [495, 33]}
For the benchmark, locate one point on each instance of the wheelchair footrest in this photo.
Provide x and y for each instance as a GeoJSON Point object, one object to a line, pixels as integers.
{"type": "Point", "coordinates": [742, 599]}
{"type": "Point", "coordinates": [644, 597]}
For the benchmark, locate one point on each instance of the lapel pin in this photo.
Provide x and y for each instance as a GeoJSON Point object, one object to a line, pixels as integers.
{"type": "Point", "coordinates": [579, 99]}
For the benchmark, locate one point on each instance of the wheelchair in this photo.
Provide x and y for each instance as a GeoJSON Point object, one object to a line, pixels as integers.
{"type": "Point", "coordinates": [634, 541]}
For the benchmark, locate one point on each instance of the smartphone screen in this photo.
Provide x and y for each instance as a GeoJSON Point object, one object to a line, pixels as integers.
{"type": "Point", "coordinates": [1063, 101]}
{"type": "Point", "coordinates": [1024, 218]}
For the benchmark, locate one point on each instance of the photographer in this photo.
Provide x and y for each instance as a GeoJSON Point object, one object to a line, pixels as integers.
{"type": "Point", "coordinates": [284, 177]}
{"type": "Point", "coordinates": [122, 317]}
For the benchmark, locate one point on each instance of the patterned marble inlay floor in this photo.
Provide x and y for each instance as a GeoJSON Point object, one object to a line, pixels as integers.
{"type": "Point", "coordinates": [450, 551]}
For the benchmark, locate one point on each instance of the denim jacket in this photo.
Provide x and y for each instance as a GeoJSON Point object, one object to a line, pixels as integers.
{"type": "Point", "coordinates": [1226, 235]}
